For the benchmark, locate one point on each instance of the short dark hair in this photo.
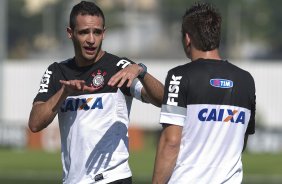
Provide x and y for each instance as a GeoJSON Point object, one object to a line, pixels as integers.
{"type": "Point", "coordinates": [203, 23]}
{"type": "Point", "coordinates": [85, 8]}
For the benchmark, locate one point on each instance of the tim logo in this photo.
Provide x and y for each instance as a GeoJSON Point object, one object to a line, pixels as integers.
{"type": "Point", "coordinates": [223, 115]}
{"type": "Point", "coordinates": [45, 82]}
{"type": "Point", "coordinates": [221, 83]}
{"type": "Point", "coordinates": [123, 63]}
{"type": "Point", "coordinates": [173, 90]}
{"type": "Point", "coordinates": [76, 104]}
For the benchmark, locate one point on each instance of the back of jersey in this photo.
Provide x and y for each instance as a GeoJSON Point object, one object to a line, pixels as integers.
{"type": "Point", "coordinates": [214, 102]}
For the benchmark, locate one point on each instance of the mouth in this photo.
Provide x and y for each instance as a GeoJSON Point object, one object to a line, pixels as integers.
{"type": "Point", "coordinates": [90, 50]}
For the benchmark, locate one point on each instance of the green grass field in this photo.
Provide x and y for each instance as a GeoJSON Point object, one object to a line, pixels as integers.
{"type": "Point", "coordinates": [38, 167]}
{"type": "Point", "coordinates": [33, 167]}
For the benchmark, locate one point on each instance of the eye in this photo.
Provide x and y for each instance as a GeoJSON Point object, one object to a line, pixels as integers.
{"type": "Point", "coordinates": [84, 31]}
{"type": "Point", "coordinates": [97, 32]}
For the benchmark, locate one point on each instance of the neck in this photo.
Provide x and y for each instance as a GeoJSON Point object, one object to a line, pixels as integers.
{"type": "Point", "coordinates": [197, 54]}
{"type": "Point", "coordinates": [81, 62]}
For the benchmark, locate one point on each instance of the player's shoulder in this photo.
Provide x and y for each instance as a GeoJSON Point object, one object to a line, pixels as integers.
{"type": "Point", "coordinates": [111, 57]}
{"type": "Point", "coordinates": [180, 69]}
{"type": "Point", "coordinates": [61, 63]}
{"type": "Point", "coordinates": [58, 66]}
{"type": "Point", "coordinates": [119, 62]}
{"type": "Point", "coordinates": [240, 71]}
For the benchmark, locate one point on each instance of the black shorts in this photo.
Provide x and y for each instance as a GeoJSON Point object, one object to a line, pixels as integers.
{"type": "Point", "coordinates": [123, 181]}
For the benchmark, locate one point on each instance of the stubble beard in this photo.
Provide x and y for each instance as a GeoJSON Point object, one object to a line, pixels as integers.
{"type": "Point", "coordinates": [86, 59]}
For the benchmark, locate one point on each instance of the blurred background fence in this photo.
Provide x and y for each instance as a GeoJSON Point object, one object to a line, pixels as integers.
{"type": "Point", "coordinates": [21, 82]}
{"type": "Point", "coordinates": [33, 35]}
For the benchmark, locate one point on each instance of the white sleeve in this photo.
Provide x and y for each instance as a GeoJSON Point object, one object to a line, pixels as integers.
{"type": "Point", "coordinates": [135, 89]}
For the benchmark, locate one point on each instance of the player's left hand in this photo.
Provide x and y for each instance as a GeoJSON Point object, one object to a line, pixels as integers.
{"type": "Point", "coordinates": [127, 74]}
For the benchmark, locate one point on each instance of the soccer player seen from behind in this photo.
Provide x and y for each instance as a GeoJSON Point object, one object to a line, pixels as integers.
{"type": "Point", "coordinates": [208, 109]}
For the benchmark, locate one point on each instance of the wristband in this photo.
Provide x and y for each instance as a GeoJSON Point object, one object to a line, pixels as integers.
{"type": "Point", "coordinates": [144, 71]}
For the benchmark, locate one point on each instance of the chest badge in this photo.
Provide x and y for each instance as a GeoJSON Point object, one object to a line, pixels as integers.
{"type": "Point", "coordinates": [98, 79]}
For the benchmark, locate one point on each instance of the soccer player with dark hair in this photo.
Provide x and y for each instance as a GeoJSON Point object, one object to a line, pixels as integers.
{"type": "Point", "coordinates": [92, 94]}
{"type": "Point", "coordinates": [208, 109]}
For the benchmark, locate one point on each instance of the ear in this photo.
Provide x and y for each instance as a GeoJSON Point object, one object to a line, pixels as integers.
{"type": "Point", "coordinates": [70, 32]}
{"type": "Point", "coordinates": [104, 33]}
{"type": "Point", "coordinates": [187, 40]}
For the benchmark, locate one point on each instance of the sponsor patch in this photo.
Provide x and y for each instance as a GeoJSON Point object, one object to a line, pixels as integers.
{"type": "Point", "coordinates": [173, 90]}
{"type": "Point", "coordinates": [222, 115]}
{"type": "Point", "coordinates": [221, 83]}
{"type": "Point", "coordinates": [45, 81]}
{"type": "Point", "coordinates": [76, 104]}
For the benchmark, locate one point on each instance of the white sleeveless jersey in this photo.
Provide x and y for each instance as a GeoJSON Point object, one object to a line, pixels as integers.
{"type": "Point", "coordinates": [214, 102]}
{"type": "Point", "coordinates": [93, 126]}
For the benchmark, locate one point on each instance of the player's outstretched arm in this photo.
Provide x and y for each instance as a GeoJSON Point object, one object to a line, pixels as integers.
{"type": "Point", "coordinates": [153, 89]}
{"type": "Point", "coordinates": [43, 113]}
{"type": "Point", "coordinates": [167, 153]}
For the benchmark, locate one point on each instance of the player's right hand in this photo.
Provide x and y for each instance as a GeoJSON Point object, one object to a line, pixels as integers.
{"type": "Point", "coordinates": [72, 86]}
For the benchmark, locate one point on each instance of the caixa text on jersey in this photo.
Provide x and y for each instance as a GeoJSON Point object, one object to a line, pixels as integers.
{"type": "Point", "coordinates": [75, 104]}
{"type": "Point", "coordinates": [222, 115]}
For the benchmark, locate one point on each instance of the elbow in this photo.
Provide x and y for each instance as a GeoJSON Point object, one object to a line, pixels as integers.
{"type": "Point", "coordinates": [159, 104]}
{"type": "Point", "coordinates": [159, 101]}
{"type": "Point", "coordinates": [171, 138]}
{"type": "Point", "coordinates": [173, 143]}
{"type": "Point", "coordinates": [171, 149]}
{"type": "Point", "coordinates": [34, 130]}
{"type": "Point", "coordinates": [34, 127]}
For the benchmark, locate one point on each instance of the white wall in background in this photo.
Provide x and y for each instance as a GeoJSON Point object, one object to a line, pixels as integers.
{"type": "Point", "coordinates": [21, 82]}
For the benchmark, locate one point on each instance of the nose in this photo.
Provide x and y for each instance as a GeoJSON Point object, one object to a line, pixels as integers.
{"type": "Point", "coordinates": [90, 39]}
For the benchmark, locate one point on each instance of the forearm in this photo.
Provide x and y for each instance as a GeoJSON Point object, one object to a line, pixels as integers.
{"type": "Point", "coordinates": [165, 161]}
{"type": "Point", "coordinates": [153, 90]}
{"type": "Point", "coordinates": [43, 113]}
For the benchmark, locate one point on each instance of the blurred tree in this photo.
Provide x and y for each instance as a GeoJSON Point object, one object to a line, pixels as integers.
{"type": "Point", "coordinates": [30, 30]}
{"type": "Point", "coordinates": [35, 29]}
{"type": "Point", "coordinates": [262, 21]}
{"type": "Point", "coordinates": [20, 30]}
{"type": "Point", "coordinates": [251, 28]}
{"type": "Point", "coordinates": [172, 11]}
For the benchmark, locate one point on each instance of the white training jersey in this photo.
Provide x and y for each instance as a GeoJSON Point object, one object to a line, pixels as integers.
{"type": "Point", "coordinates": [93, 126]}
{"type": "Point", "coordinates": [214, 102]}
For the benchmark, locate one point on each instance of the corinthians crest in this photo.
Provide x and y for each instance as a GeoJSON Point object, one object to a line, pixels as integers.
{"type": "Point", "coordinates": [98, 79]}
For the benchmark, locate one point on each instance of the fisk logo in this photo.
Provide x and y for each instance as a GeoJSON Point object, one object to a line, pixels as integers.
{"type": "Point", "coordinates": [173, 90]}
{"type": "Point", "coordinates": [223, 115]}
{"type": "Point", "coordinates": [75, 104]}
{"type": "Point", "coordinates": [221, 83]}
{"type": "Point", "coordinates": [45, 81]}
